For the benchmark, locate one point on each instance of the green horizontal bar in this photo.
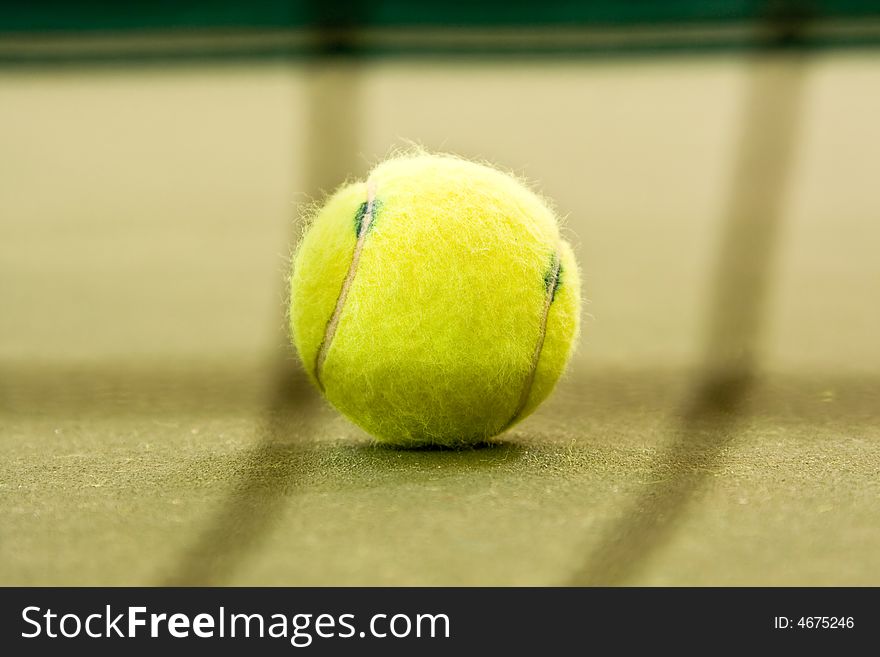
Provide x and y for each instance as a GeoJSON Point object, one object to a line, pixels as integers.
{"type": "Point", "coordinates": [17, 16]}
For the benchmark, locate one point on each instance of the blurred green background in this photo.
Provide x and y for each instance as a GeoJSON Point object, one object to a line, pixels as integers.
{"type": "Point", "coordinates": [716, 167]}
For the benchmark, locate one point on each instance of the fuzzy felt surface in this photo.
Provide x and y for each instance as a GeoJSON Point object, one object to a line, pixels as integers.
{"type": "Point", "coordinates": [459, 313]}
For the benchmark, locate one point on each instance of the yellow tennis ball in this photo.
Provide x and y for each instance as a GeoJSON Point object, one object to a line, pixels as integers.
{"type": "Point", "coordinates": [434, 303]}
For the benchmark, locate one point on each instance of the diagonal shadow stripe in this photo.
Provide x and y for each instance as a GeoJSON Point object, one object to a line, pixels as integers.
{"type": "Point", "coordinates": [275, 469]}
{"type": "Point", "coordinates": [710, 418]}
{"type": "Point", "coordinates": [266, 476]}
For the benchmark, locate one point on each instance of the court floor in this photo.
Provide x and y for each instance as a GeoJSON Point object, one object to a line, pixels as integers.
{"type": "Point", "coordinates": [155, 427]}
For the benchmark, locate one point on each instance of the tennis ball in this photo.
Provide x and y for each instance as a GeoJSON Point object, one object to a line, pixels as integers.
{"type": "Point", "coordinates": [434, 303]}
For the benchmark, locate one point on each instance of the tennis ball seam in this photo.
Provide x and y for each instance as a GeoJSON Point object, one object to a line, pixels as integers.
{"type": "Point", "coordinates": [363, 222]}
{"type": "Point", "coordinates": [552, 280]}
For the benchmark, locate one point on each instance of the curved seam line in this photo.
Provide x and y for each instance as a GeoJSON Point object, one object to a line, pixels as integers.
{"type": "Point", "coordinates": [333, 322]}
{"type": "Point", "coordinates": [539, 346]}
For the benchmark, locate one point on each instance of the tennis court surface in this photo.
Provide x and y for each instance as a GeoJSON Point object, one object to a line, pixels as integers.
{"type": "Point", "coordinates": [719, 423]}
